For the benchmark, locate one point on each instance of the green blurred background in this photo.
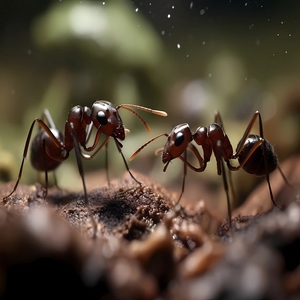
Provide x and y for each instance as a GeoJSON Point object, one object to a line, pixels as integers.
{"type": "Point", "coordinates": [188, 58]}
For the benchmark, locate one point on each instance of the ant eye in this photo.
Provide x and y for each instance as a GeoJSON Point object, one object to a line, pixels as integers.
{"type": "Point", "coordinates": [179, 139]}
{"type": "Point", "coordinates": [102, 118]}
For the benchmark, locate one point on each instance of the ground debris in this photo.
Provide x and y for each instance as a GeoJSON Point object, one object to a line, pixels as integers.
{"type": "Point", "coordinates": [145, 248]}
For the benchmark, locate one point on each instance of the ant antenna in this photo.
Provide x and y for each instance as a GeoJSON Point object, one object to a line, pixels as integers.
{"type": "Point", "coordinates": [133, 155]}
{"type": "Point", "coordinates": [146, 109]}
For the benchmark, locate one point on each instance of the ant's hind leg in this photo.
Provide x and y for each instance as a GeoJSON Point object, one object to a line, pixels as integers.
{"type": "Point", "coordinates": [23, 160]}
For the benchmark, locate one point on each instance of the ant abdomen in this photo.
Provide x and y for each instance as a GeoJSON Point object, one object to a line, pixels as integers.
{"type": "Point", "coordinates": [39, 157]}
{"type": "Point", "coordinates": [255, 164]}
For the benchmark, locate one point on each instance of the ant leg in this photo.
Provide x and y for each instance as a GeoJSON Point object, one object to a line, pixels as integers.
{"type": "Point", "coordinates": [187, 164]}
{"type": "Point", "coordinates": [265, 160]}
{"type": "Point", "coordinates": [80, 169]}
{"type": "Point", "coordinates": [18, 180]}
{"type": "Point", "coordinates": [45, 191]}
{"type": "Point", "coordinates": [227, 195]}
{"type": "Point", "coordinates": [219, 121]}
{"type": "Point", "coordinates": [89, 149]}
{"type": "Point", "coordinates": [88, 132]}
{"type": "Point", "coordinates": [247, 132]}
{"type": "Point", "coordinates": [89, 157]}
{"type": "Point", "coordinates": [23, 159]}
{"type": "Point", "coordinates": [202, 162]}
{"type": "Point", "coordinates": [183, 178]}
{"type": "Point", "coordinates": [233, 194]}
{"type": "Point", "coordinates": [284, 178]}
{"type": "Point", "coordinates": [119, 146]}
{"type": "Point", "coordinates": [225, 184]}
{"type": "Point", "coordinates": [47, 115]}
{"type": "Point", "coordinates": [106, 163]}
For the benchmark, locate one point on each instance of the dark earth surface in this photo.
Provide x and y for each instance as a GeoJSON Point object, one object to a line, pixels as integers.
{"type": "Point", "coordinates": [145, 248]}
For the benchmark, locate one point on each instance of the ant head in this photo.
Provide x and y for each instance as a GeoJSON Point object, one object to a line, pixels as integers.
{"type": "Point", "coordinates": [106, 119]}
{"type": "Point", "coordinates": [177, 142]}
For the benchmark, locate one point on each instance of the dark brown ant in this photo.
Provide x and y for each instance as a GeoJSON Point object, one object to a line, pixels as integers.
{"type": "Point", "coordinates": [254, 153]}
{"type": "Point", "coordinates": [50, 147]}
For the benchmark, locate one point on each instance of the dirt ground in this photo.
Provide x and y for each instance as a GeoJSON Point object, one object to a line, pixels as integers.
{"type": "Point", "coordinates": [130, 242]}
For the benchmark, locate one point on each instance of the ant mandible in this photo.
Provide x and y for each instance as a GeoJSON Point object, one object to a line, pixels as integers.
{"type": "Point", "coordinates": [254, 153]}
{"type": "Point", "coordinates": [50, 147]}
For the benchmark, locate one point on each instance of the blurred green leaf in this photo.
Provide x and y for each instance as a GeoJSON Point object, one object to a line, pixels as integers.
{"type": "Point", "coordinates": [107, 32]}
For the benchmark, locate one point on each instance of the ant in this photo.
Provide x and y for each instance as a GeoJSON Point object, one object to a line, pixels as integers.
{"type": "Point", "coordinates": [254, 153]}
{"type": "Point", "coordinates": [50, 147]}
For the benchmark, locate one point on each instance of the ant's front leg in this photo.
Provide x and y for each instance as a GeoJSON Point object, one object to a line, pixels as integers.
{"type": "Point", "coordinates": [119, 147]}
{"type": "Point", "coordinates": [201, 161]}
{"type": "Point", "coordinates": [88, 149]}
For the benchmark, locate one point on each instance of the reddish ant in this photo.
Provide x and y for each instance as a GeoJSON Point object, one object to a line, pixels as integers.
{"type": "Point", "coordinates": [254, 153]}
{"type": "Point", "coordinates": [50, 147]}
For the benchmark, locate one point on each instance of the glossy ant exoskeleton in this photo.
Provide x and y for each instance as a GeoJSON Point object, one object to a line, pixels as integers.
{"type": "Point", "coordinates": [254, 153]}
{"type": "Point", "coordinates": [50, 147]}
